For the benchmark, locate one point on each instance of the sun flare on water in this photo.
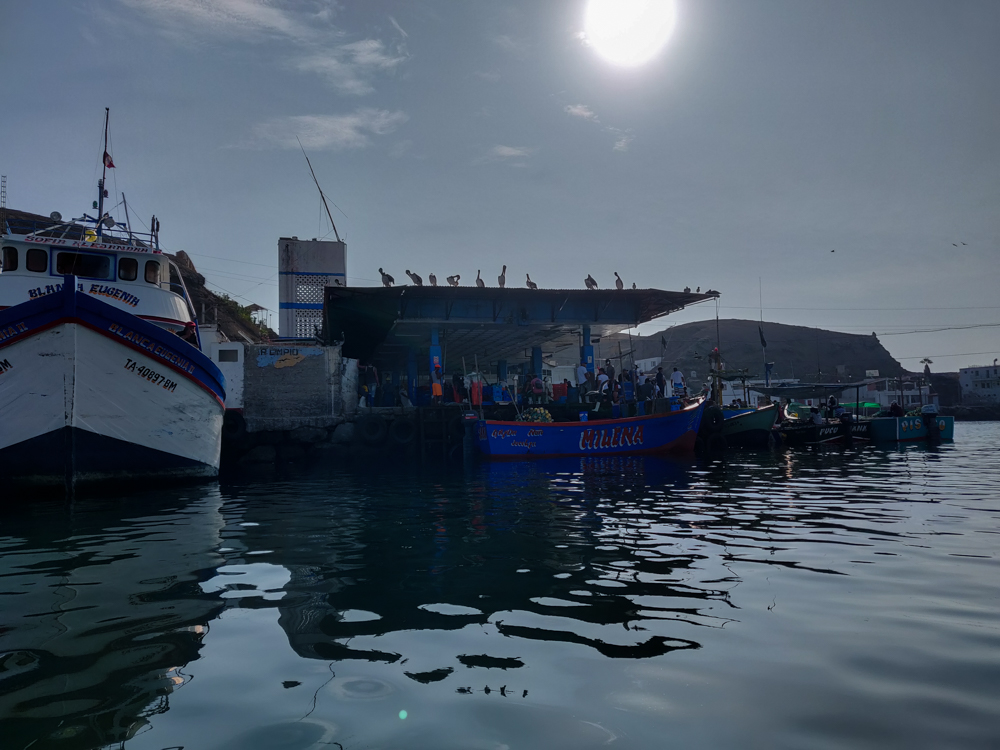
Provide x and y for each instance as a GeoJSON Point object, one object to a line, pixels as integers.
{"type": "Point", "coordinates": [628, 32]}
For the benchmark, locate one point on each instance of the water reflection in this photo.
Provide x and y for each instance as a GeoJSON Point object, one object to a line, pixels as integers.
{"type": "Point", "coordinates": [533, 604]}
{"type": "Point", "coordinates": [101, 613]}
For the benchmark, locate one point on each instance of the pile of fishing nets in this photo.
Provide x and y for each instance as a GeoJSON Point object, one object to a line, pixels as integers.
{"type": "Point", "coordinates": [537, 414]}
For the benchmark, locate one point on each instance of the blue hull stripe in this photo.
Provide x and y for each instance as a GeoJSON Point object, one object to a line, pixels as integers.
{"type": "Point", "coordinates": [70, 305]}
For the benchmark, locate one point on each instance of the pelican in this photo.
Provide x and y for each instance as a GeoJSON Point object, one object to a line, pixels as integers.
{"type": "Point", "coordinates": [502, 278]}
{"type": "Point", "coordinates": [633, 285]}
{"type": "Point", "coordinates": [589, 281]}
{"type": "Point", "coordinates": [619, 284]}
{"type": "Point", "coordinates": [433, 279]}
{"type": "Point", "coordinates": [453, 280]}
{"type": "Point", "coordinates": [698, 290]}
{"type": "Point", "coordinates": [479, 282]}
{"type": "Point", "coordinates": [687, 290]}
{"type": "Point", "coordinates": [387, 280]}
{"type": "Point", "coordinates": [415, 278]}
{"type": "Point", "coordinates": [529, 283]}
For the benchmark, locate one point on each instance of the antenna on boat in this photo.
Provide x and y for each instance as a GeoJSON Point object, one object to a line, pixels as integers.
{"type": "Point", "coordinates": [3, 204]}
{"type": "Point", "coordinates": [336, 234]}
{"type": "Point", "coordinates": [105, 159]}
{"type": "Point", "coordinates": [128, 221]}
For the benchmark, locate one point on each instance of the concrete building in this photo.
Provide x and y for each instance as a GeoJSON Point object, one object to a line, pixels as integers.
{"type": "Point", "coordinates": [981, 384]}
{"type": "Point", "coordinates": [305, 268]}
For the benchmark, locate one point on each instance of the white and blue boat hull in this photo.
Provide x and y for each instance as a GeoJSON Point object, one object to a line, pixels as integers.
{"type": "Point", "coordinates": [89, 393]}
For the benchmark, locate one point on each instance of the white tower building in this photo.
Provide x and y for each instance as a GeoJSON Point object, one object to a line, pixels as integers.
{"type": "Point", "coordinates": [305, 268]}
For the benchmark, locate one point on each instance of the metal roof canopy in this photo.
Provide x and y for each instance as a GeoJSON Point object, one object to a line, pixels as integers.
{"type": "Point", "coordinates": [381, 325]}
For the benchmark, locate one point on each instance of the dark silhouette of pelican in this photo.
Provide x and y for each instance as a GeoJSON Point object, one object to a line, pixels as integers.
{"type": "Point", "coordinates": [479, 282]}
{"type": "Point", "coordinates": [387, 280]}
{"type": "Point", "coordinates": [453, 280]}
{"type": "Point", "coordinates": [698, 290]}
{"type": "Point", "coordinates": [633, 285]}
{"type": "Point", "coordinates": [415, 278]}
{"type": "Point", "coordinates": [589, 281]}
{"type": "Point", "coordinates": [529, 283]}
{"type": "Point", "coordinates": [619, 284]}
{"type": "Point", "coordinates": [502, 278]}
{"type": "Point", "coordinates": [687, 289]}
{"type": "Point", "coordinates": [433, 279]}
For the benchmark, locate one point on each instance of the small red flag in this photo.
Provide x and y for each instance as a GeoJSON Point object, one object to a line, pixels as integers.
{"type": "Point", "coordinates": [107, 161]}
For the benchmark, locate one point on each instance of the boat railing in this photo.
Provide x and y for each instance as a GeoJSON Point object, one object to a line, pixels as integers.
{"type": "Point", "coordinates": [75, 230]}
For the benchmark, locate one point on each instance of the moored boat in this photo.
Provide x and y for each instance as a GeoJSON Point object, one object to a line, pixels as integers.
{"type": "Point", "coordinates": [671, 432]}
{"type": "Point", "coordinates": [912, 428]}
{"type": "Point", "coordinates": [750, 427]}
{"type": "Point", "coordinates": [101, 372]}
{"type": "Point", "coordinates": [828, 433]}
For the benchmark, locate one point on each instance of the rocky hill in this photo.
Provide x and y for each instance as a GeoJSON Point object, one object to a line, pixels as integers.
{"type": "Point", "coordinates": [809, 354]}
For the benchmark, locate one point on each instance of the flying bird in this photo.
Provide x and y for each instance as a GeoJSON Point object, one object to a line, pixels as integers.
{"type": "Point", "coordinates": [502, 278]}
{"type": "Point", "coordinates": [955, 245]}
{"type": "Point", "coordinates": [453, 280]}
{"type": "Point", "coordinates": [415, 278]}
{"type": "Point", "coordinates": [963, 243]}
{"type": "Point", "coordinates": [833, 251]}
{"type": "Point", "coordinates": [433, 279]}
{"type": "Point", "coordinates": [589, 281]}
{"type": "Point", "coordinates": [387, 280]}
{"type": "Point", "coordinates": [479, 282]}
{"type": "Point", "coordinates": [529, 283]}
{"type": "Point", "coordinates": [619, 284]}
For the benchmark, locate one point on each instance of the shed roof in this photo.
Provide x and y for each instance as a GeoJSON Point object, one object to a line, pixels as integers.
{"type": "Point", "coordinates": [381, 324]}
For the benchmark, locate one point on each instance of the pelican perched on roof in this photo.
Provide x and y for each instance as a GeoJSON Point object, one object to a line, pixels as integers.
{"type": "Point", "coordinates": [479, 282]}
{"type": "Point", "coordinates": [502, 278]}
{"type": "Point", "coordinates": [633, 285]}
{"type": "Point", "coordinates": [529, 283]}
{"type": "Point", "coordinates": [415, 278]}
{"type": "Point", "coordinates": [453, 280]}
{"type": "Point", "coordinates": [433, 279]}
{"type": "Point", "coordinates": [619, 284]}
{"type": "Point", "coordinates": [589, 281]}
{"type": "Point", "coordinates": [387, 280]}
{"type": "Point", "coordinates": [687, 289]}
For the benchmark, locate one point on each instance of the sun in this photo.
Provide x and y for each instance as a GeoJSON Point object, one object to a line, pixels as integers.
{"type": "Point", "coordinates": [628, 32]}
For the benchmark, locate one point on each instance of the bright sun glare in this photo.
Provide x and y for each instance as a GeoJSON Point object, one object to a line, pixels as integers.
{"type": "Point", "coordinates": [628, 32]}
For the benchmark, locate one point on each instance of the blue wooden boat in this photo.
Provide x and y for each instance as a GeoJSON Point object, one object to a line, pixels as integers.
{"type": "Point", "coordinates": [672, 432]}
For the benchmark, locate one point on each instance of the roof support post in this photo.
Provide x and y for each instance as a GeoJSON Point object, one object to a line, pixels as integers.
{"type": "Point", "coordinates": [536, 360]}
{"type": "Point", "coordinates": [411, 373]}
{"type": "Point", "coordinates": [587, 350]}
{"type": "Point", "coordinates": [435, 351]}
{"type": "Point", "coordinates": [502, 370]}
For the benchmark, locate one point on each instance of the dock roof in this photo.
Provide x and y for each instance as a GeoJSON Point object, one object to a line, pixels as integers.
{"type": "Point", "coordinates": [381, 324]}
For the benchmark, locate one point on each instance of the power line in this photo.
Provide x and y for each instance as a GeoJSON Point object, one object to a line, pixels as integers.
{"type": "Point", "coordinates": [964, 354]}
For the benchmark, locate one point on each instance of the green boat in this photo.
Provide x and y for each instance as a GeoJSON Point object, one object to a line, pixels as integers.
{"type": "Point", "coordinates": [750, 428]}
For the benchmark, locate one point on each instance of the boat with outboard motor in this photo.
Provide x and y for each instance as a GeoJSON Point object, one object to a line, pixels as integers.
{"type": "Point", "coordinates": [749, 427]}
{"type": "Point", "coordinates": [669, 432]}
{"type": "Point", "coordinates": [102, 376]}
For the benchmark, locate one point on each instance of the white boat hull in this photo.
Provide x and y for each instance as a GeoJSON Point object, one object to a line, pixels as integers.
{"type": "Point", "coordinates": [78, 406]}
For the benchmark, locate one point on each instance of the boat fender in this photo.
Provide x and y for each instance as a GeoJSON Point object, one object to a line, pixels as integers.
{"type": "Point", "coordinates": [402, 431]}
{"type": "Point", "coordinates": [371, 429]}
{"type": "Point", "coordinates": [717, 444]}
{"type": "Point", "coordinates": [712, 419]}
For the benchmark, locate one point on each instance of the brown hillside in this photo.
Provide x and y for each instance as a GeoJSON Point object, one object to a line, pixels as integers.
{"type": "Point", "coordinates": [810, 354]}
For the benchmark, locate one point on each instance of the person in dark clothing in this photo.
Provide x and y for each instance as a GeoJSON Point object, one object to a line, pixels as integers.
{"type": "Point", "coordinates": [661, 380]}
{"type": "Point", "coordinates": [458, 386]}
{"type": "Point", "coordinates": [609, 369]}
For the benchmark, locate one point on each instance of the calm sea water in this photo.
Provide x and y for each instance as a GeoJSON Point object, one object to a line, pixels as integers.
{"type": "Point", "coordinates": [831, 599]}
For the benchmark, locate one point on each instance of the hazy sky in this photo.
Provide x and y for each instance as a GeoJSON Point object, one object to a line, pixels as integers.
{"type": "Point", "coordinates": [463, 135]}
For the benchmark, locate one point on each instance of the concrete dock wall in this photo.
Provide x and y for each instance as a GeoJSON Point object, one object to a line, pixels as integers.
{"type": "Point", "coordinates": [287, 386]}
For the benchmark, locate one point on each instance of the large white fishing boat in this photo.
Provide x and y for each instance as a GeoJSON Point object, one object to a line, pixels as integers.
{"type": "Point", "coordinates": [102, 376]}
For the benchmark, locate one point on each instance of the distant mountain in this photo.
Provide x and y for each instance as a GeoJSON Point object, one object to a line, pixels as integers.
{"type": "Point", "coordinates": [809, 354]}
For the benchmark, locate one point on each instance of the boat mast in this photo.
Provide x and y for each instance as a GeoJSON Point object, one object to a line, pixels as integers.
{"type": "Point", "coordinates": [104, 172]}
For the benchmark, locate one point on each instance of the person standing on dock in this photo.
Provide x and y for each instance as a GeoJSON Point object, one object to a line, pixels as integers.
{"type": "Point", "coordinates": [581, 380]}
{"type": "Point", "coordinates": [609, 369]}
{"type": "Point", "coordinates": [661, 382]}
{"type": "Point", "coordinates": [436, 390]}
